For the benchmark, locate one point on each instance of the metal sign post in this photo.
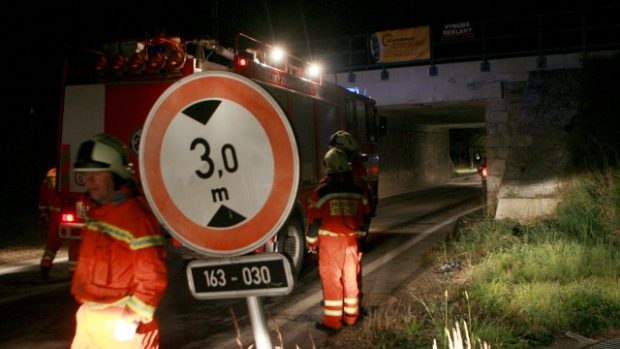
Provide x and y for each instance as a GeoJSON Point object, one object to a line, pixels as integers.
{"type": "Point", "coordinates": [259, 326]}
{"type": "Point", "coordinates": [220, 169]}
{"type": "Point", "coordinates": [251, 276]}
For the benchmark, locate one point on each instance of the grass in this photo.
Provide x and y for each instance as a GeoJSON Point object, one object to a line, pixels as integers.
{"type": "Point", "coordinates": [527, 284]}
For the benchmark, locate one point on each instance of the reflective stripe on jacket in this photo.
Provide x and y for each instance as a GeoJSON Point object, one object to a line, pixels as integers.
{"type": "Point", "coordinates": [122, 258]}
{"type": "Point", "coordinates": [339, 205]}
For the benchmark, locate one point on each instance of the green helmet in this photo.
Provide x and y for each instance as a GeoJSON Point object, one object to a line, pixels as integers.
{"type": "Point", "coordinates": [103, 153]}
{"type": "Point", "coordinates": [336, 161]}
{"type": "Point", "coordinates": [344, 140]}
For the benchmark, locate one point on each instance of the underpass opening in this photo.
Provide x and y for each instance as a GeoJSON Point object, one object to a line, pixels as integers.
{"type": "Point", "coordinates": [420, 140]}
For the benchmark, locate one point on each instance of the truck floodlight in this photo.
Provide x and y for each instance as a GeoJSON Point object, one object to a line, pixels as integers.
{"type": "Point", "coordinates": [313, 71]}
{"type": "Point", "coordinates": [277, 54]}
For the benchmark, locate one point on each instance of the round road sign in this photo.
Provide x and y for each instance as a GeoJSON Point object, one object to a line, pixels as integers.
{"type": "Point", "coordinates": [219, 163]}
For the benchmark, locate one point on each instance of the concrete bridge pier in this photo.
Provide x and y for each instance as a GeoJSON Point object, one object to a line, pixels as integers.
{"type": "Point", "coordinates": [527, 147]}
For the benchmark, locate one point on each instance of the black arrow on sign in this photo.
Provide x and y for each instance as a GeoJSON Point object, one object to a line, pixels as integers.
{"type": "Point", "coordinates": [225, 217]}
{"type": "Point", "coordinates": [202, 111]}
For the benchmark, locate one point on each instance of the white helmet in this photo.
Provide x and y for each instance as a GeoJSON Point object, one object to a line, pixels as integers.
{"type": "Point", "coordinates": [103, 153]}
{"type": "Point", "coordinates": [343, 139]}
{"type": "Point", "coordinates": [336, 161]}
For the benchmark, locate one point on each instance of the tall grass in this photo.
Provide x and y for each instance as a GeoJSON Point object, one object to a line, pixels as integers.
{"type": "Point", "coordinates": [529, 283]}
{"type": "Point", "coordinates": [591, 212]}
{"type": "Point", "coordinates": [559, 275]}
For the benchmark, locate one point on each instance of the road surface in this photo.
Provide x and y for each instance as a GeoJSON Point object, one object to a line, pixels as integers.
{"type": "Point", "coordinates": [40, 315]}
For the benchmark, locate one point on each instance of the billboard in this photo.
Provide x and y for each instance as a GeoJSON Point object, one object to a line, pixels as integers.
{"type": "Point", "coordinates": [401, 45]}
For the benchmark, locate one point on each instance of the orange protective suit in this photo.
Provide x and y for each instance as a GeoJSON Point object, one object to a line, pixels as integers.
{"type": "Point", "coordinates": [122, 267]}
{"type": "Point", "coordinates": [336, 215]}
{"type": "Point", "coordinates": [49, 211]}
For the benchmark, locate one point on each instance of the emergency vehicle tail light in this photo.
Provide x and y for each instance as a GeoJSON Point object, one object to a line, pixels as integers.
{"type": "Point", "coordinates": [374, 169]}
{"type": "Point", "coordinates": [68, 217]}
{"type": "Point", "coordinates": [242, 62]}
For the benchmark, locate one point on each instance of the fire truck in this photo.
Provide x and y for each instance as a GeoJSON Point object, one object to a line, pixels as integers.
{"type": "Point", "coordinates": [113, 89]}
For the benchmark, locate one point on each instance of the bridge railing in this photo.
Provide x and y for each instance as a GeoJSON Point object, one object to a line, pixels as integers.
{"type": "Point", "coordinates": [532, 35]}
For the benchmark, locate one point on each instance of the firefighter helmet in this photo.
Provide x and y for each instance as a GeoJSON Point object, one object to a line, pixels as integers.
{"type": "Point", "coordinates": [344, 140]}
{"type": "Point", "coordinates": [103, 153]}
{"type": "Point", "coordinates": [336, 161]}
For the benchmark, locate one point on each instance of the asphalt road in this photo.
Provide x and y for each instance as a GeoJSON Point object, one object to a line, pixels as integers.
{"type": "Point", "coordinates": [41, 315]}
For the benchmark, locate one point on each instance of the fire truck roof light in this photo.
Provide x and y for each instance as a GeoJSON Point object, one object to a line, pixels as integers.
{"type": "Point", "coordinates": [277, 54]}
{"type": "Point", "coordinates": [314, 70]}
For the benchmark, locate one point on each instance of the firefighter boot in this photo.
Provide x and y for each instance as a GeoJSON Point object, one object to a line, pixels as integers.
{"type": "Point", "coordinates": [46, 264]}
{"type": "Point", "coordinates": [320, 326]}
{"type": "Point", "coordinates": [46, 268]}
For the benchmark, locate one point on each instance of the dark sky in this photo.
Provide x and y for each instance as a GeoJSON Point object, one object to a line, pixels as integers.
{"type": "Point", "coordinates": [85, 21]}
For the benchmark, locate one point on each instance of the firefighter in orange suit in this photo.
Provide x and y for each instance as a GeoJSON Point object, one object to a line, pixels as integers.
{"type": "Point", "coordinates": [121, 277]}
{"type": "Point", "coordinates": [338, 212]}
{"type": "Point", "coordinates": [49, 214]}
{"type": "Point", "coordinates": [344, 141]}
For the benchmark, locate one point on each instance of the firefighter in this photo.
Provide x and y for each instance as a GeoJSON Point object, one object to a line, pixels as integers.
{"type": "Point", "coordinates": [49, 215]}
{"type": "Point", "coordinates": [338, 212]}
{"type": "Point", "coordinates": [344, 141]}
{"type": "Point", "coordinates": [121, 277]}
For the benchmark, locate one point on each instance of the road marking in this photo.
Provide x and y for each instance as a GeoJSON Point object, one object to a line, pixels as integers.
{"type": "Point", "coordinates": [314, 298]}
{"type": "Point", "coordinates": [25, 265]}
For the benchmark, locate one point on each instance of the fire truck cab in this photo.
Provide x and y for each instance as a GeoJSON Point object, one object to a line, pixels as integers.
{"type": "Point", "coordinates": [113, 90]}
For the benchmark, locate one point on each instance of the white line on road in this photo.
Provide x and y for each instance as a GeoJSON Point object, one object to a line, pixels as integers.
{"type": "Point", "coordinates": [25, 265]}
{"type": "Point", "coordinates": [314, 299]}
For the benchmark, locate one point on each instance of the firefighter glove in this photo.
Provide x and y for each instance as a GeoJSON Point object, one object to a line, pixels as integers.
{"type": "Point", "coordinates": [126, 326]}
{"type": "Point", "coordinates": [312, 249]}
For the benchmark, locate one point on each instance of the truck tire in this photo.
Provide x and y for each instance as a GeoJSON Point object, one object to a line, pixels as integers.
{"type": "Point", "coordinates": [292, 243]}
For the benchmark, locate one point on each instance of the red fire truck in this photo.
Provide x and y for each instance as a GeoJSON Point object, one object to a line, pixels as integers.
{"type": "Point", "coordinates": [113, 90]}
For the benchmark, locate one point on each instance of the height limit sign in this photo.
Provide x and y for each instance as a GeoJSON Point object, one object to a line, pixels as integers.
{"type": "Point", "coordinates": [219, 163]}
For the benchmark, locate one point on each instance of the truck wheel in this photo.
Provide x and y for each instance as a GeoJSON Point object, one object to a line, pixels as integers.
{"type": "Point", "coordinates": [291, 242]}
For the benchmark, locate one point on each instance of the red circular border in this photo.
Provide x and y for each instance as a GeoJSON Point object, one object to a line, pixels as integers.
{"type": "Point", "coordinates": [246, 236]}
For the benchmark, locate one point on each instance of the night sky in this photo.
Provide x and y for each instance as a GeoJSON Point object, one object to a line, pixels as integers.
{"type": "Point", "coordinates": [36, 37]}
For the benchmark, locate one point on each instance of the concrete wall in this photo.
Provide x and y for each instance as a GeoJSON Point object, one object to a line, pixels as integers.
{"type": "Point", "coordinates": [526, 140]}
{"type": "Point", "coordinates": [413, 157]}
